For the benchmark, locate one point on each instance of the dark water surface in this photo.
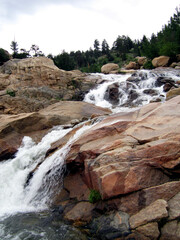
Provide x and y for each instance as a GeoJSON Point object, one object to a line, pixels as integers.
{"type": "Point", "coordinates": [45, 225]}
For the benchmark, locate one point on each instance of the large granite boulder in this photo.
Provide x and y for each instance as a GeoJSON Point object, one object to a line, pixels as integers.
{"type": "Point", "coordinates": [161, 61]}
{"type": "Point", "coordinates": [112, 93]}
{"type": "Point", "coordinates": [109, 68]}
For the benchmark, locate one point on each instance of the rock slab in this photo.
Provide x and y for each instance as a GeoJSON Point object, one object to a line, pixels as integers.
{"type": "Point", "coordinates": [154, 212]}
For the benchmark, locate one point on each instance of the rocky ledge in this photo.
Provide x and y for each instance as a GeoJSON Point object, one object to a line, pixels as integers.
{"type": "Point", "coordinates": [36, 124]}
{"type": "Point", "coordinates": [132, 162]}
{"type": "Point", "coordinates": [28, 85]}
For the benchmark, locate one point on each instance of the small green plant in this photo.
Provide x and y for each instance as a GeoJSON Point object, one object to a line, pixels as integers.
{"type": "Point", "coordinates": [94, 196]}
{"type": "Point", "coordinates": [148, 65]}
{"type": "Point", "coordinates": [11, 93]}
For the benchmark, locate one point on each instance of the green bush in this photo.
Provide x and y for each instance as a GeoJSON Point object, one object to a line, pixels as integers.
{"type": "Point", "coordinates": [4, 56]}
{"type": "Point", "coordinates": [94, 196]}
{"type": "Point", "coordinates": [11, 93]}
{"type": "Point", "coordinates": [148, 65]}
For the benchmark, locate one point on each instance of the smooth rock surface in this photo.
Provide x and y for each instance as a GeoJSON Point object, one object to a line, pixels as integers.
{"type": "Point", "coordinates": [128, 152]}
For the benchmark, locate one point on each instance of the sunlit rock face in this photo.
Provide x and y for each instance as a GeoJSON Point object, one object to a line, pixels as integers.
{"type": "Point", "coordinates": [130, 151]}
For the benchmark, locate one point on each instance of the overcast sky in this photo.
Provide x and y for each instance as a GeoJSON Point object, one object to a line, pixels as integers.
{"type": "Point", "coordinates": [57, 25]}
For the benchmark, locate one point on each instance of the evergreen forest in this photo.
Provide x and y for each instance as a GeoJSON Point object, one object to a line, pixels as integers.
{"type": "Point", "coordinates": [124, 49]}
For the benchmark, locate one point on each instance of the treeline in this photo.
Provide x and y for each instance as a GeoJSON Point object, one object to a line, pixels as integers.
{"type": "Point", "coordinates": [124, 49]}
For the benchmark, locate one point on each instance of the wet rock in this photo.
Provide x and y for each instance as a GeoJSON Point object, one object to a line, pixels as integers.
{"type": "Point", "coordinates": [163, 80]}
{"type": "Point", "coordinates": [112, 226]}
{"type": "Point", "coordinates": [158, 99]}
{"type": "Point", "coordinates": [151, 92]}
{"type": "Point", "coordinates": [112, 93]}
{"type": "Point", "coordinates": [133, 95]}
{"type": "Point", "coordinates": [137, 77]}
{"type": "Point", "coordinates": [154, 212]}
{"type": "Point", "coordinates": [143, 75]}
{"type": "Point", "coordinates": [133, 79]}
{"type": "Point", "coordinates": [167, 87]}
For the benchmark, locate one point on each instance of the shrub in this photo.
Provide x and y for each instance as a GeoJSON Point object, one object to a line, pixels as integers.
{"type": "Point", "coordinates": [148, 65]}
{"type": "Point", "coordinates": [11, 93]}
{"type": "Point", "coordinates": [4, 56]}
{"type": "Point", "coordinates": [94, 196]}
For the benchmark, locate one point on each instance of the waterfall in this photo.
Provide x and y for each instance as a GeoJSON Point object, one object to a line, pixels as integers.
{"type": "Point", "coordinates": [127, 92]}
{"type": "Point", "coordinates": [15, 196]}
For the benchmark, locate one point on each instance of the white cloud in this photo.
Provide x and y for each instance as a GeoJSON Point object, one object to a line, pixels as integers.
{"type": "Point", "coordinates": [73, 26]}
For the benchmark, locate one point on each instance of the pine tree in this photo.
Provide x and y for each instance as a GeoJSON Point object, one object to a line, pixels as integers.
{"type": "Point", "coordinates": [105, 47]}
{"type": "Point", "coordinates": [14, 47]}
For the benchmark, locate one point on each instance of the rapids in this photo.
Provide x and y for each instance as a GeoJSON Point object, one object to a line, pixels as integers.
{"type": "Point", "coordinates": [133, 91]}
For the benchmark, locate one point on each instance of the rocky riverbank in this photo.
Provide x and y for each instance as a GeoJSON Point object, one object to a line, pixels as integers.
{"type": "Point", "coordinates": [132, 160]}
{"type": "Point", "coordinates": [122, 174]}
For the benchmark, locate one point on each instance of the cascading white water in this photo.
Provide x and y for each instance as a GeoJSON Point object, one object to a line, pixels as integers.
{"type": "Point", "coordinates": [14, 196]}
{"type": "Point", "coordinates": [96, 96]}
{"type": "Point", "coordinates": [132, 92]}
